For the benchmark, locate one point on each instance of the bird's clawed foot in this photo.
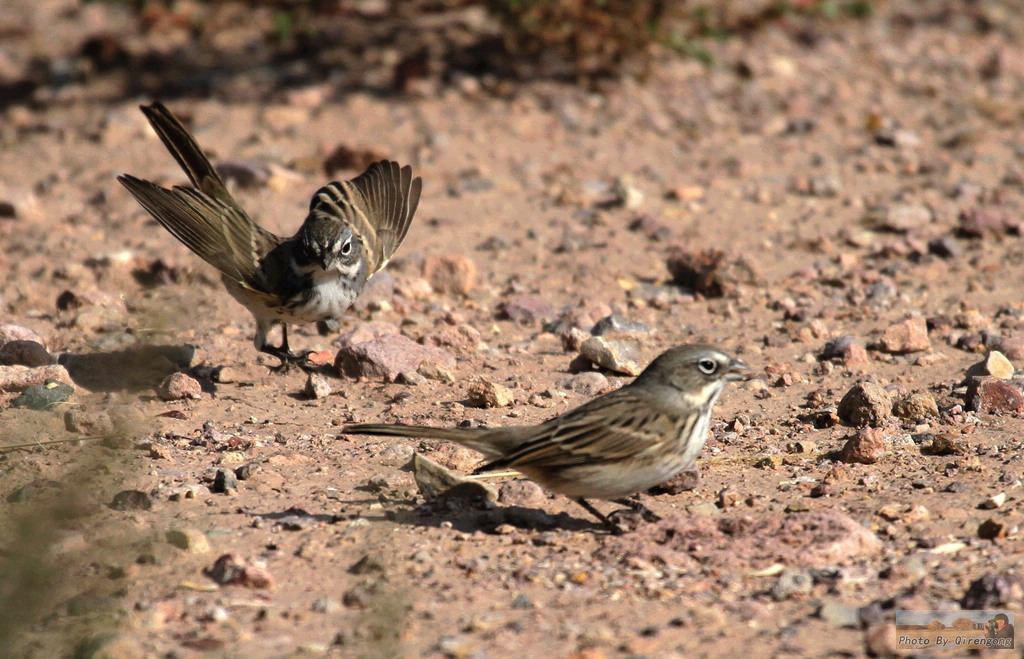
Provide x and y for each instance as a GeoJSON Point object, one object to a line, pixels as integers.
{"type": "Point", "coordinates": [635, 506]}
{"type": "Point", "coordinates": [288, 359]}
{"type": "Point", "coordinates": [622, 521]}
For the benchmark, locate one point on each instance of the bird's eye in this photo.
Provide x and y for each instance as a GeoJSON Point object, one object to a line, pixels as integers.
{"type": "Point", "coordinates": [346, 248]}
{"type": "Point", "coordinates": [707, 366]}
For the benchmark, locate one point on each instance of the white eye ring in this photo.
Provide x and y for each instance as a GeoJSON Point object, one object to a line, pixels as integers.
{"type": "Point", "coordinates": [346, 248]}
{"type": "Point", "coordinates": [707, 365]}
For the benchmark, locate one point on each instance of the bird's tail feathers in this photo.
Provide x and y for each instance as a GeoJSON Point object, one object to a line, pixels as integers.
{"type": "Point", "coordinates": [478, 439]}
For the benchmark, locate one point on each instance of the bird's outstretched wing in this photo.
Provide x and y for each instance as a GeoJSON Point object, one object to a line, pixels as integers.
{"type": "Point", "coordinates": [206, 219]}
{"type": "Point", "coordinates": [378, 204]}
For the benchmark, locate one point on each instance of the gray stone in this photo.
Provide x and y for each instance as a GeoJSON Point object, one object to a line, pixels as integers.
{"type": "Point", "coordinates": [792, 581]}
{"type": "Point", "coordinates": [132, 500]}
{"type": "Point", "coordinates": [840, 615]}
{"type": "Point", "coordinates": [224, 481]}
{"type": "Point", "coordinates": [44, 396]}
{"type": "Point", "coordinates": [588, 383]}
{"type": "Point", "coordinates": [618, 324]}
{"type": "Point", "coordinates": [621, 355]}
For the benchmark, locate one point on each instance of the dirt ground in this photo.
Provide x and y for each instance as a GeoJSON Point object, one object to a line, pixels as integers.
{"type": "Point", "coordinates": [855, 174]}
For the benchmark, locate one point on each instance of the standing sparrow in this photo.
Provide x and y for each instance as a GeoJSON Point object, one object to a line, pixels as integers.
{"type": "Point", "coordinates": [622, 442]}
{"type": "Point", "coordinates": [352, 229]}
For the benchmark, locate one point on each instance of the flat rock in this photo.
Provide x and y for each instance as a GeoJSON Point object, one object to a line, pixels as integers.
{"type": "Point", "coordinates": [20, 378]}
{"type": "Point", "coordinates": [434, 481]}
{"type": "Point", "coordinates": [132, 500]}
{"type": "Point", "coordinates": [44, 396]}
{"type": "Point", "coordinates": [901, 218]}
{"type": "Point", "coordinates": [621, 354]}
{"type": "Point", "coordinates": [432, 370]}
{"type": "Point", "coordinates": [88, 422]}
{"type": "Point", "coordinates": [11, 332]}
{"type": "Point", "coordinates": [190, 540]}
{"type": "Point", "coordinates": [462, 339]}
{"type": "Point", "coordinates": [366, 331]}
{"type": "Point", "coordinates": [384, 357]}
{"type": "Point", "coordinates": [949, 444]}
{"type": "Point", "coordinates": [527, 309]}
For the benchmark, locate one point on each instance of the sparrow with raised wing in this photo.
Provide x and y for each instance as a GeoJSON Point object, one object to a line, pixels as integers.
{"type": "Point", "coordinates": [350, 232]}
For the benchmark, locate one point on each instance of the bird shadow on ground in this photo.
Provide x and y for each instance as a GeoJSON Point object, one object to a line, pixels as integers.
{"type": "Point", "coordinates": [137, 368]}
{"type": "Point", "coordinates": [469, 517]}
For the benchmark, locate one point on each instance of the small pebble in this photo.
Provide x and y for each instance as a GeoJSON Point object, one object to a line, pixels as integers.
{"type": "Point", "coordinates": [911, 335]}
{"type": "Point", "coordinates": [178, 386]}
{"type": "Point", "coordinates": [484, 393]}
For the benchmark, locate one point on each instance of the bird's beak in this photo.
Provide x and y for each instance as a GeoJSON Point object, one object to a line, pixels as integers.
{"type": "Point", "coordinates": [738, 371]}
{"type": "Point", "coordinates": [326, 260]}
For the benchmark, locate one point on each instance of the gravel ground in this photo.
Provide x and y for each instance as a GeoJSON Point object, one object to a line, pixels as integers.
{"type": "Point", "coordinates": [838, 205]}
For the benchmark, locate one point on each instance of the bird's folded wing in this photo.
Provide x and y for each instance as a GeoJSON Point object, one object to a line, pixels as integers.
{"type": "Point", "coordinates": [378, 204]}
{"type": "Point", "coordinates": [607, 429]}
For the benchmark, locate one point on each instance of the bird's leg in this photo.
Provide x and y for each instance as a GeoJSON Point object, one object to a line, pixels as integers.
{"type": "Point", "coordinates": [613, 527]}
{"type": "Point", "coordinates": [645, 513]}
{"type": "Point", "coordinates": [284, 353]}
